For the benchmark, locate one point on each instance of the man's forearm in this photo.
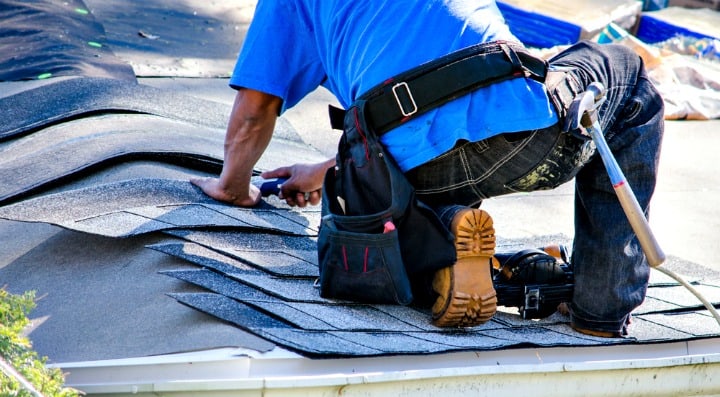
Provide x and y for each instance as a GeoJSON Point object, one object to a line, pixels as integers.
{"type": "Point", "coordinates": [249, 132]}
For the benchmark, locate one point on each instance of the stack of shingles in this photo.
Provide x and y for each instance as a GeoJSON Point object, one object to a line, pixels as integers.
{"type": "Point", "coordinates": [258, 265]}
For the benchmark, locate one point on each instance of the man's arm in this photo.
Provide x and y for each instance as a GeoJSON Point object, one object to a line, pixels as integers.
{"type": "Point", "coordinates": [251, 125]}
{"type": "Point", "coordinates": [249, 131]}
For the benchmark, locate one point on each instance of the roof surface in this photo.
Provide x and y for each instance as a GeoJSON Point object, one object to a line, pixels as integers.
{"type": "Point", "coordinates": [130, 260]}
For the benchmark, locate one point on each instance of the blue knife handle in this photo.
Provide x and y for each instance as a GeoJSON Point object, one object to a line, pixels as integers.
{"type": "Point", "coordinates": [269, 187]}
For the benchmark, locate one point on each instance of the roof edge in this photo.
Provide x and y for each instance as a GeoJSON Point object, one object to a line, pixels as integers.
{"type": "Point", "coordinates": [660, 370]}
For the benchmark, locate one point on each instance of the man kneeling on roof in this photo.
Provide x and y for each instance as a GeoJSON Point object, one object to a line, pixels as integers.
{"type": "Point", "coordinates": [502, 138]}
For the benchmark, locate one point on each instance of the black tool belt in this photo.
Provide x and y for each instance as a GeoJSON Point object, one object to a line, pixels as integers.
{"type": "Point", "coordinates": [411, 93]}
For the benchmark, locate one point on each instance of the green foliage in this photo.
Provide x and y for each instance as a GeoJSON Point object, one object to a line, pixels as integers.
{"type": "Point", "coordinates": [16, 350]}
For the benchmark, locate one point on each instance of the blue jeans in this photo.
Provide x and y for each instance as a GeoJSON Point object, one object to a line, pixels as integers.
{"type": "Point", "coordinates": [611, 272]}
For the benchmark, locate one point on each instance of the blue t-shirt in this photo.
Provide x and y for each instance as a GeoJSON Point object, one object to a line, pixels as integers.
{"type": "Point", "coordinates": [293, 46]}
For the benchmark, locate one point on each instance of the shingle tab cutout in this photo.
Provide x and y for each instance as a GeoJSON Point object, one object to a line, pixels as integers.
{"type": "Point", "coordinates": [294, 256]}
{"type": "Point", "coordinates": [274, 262]}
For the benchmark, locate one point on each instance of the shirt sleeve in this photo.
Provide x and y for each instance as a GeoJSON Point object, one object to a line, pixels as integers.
{"type": "Point", "coordinates": [279, 55]}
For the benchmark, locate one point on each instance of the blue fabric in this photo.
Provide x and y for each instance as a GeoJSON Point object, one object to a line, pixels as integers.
{"type": "Point", "coordinates": [293, 46]}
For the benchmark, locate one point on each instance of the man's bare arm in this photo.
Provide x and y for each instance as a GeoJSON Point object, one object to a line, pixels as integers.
{"type": "Point", "coordinates": [248, 134]}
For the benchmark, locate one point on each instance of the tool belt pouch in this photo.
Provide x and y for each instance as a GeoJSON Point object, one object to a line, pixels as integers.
{"type": "Point", "coordinates": [362, 266]}
{"type": "Point", "coordinates": [374, 234]}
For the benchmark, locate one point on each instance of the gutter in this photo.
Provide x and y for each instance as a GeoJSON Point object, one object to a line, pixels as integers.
{"type": "Point", "coordinates": [672, 369]}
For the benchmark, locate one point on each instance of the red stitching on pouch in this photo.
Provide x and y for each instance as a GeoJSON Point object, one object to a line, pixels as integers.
{"type": "Point", "coordinates": [365, 260]}
{"type": "Point", "coordinates": [345, 262]}
{"type": "Point", "coordinates": [360, 131]}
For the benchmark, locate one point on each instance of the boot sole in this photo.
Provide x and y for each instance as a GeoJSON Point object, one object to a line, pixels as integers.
{"type": "Point", "coordinates": [467, 296]}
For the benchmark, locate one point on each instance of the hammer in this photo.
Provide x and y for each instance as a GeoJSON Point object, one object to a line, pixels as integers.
{"type": "Point", "coordinates": [583, 113]}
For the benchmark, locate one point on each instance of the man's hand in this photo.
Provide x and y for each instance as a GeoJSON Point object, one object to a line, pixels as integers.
{"type": "Point", "coordinates": [215, 189]}
{"type": "Point", "coordinates": [304, 182]}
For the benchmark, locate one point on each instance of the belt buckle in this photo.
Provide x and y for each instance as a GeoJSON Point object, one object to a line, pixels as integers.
{"type": "Point", "coordinates": [414, 108]}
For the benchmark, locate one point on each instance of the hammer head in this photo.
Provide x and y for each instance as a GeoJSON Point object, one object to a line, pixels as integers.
{"type": "Point", "coordinates": [582, 110]}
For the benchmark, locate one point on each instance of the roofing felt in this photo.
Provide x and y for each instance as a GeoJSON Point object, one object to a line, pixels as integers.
{"type": "Point", "coordinates": [69, 43]}
{"type": "Point", "coordinates": [103, 298]}
{"type": "Point", "coordinates": [176, 38]}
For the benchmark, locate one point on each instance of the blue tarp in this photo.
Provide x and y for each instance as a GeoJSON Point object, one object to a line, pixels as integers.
{"type": "Point", "coordinates": [537, 30]}
{"type": "Point", "coordinates": [655, 30]}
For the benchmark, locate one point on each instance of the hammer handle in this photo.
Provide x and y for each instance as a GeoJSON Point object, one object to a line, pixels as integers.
{"type": "Point", "coordinates": [634, 213]}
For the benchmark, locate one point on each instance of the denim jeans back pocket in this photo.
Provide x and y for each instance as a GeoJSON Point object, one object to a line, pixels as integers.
{"type": "Point", "coordinates": [559, 166]}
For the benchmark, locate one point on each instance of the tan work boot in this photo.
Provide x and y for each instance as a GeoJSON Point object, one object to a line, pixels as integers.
{"type": "Point", "coordinates": [596, 333]}
{"type": "Point", "coordinates": [467, 296]}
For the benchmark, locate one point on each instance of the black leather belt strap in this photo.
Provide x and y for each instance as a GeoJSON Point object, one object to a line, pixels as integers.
{"type": "Point", "coordinates": [427, 86]}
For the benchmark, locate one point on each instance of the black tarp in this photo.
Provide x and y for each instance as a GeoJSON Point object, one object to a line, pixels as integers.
{"type": "Point", "coordinates": [44, 38]}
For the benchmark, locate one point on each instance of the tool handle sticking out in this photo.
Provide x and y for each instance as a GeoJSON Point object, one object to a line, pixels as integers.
{"type": "Point", "coordinates": [584, 113]}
